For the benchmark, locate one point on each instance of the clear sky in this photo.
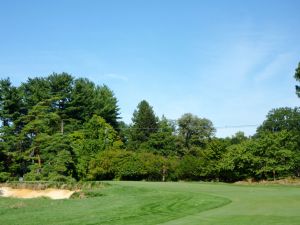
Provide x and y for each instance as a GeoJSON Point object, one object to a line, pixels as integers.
{"type": "Point", "coordinates": [228, 61]}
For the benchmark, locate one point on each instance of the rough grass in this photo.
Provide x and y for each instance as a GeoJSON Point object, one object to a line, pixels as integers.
{"type": "Point", "coordinates": [145, 203]}
{"type": "Point", "coordinates": [285, 181]}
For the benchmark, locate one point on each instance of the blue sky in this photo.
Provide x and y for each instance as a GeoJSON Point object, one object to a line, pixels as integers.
{"type": "Point", "coordinates": [229, 61]}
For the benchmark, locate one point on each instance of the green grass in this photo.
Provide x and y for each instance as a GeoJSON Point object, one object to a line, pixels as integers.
{"type": "Point", "coordinates": [145, 203]}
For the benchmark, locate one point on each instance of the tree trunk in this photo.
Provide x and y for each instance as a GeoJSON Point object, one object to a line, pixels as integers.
{"type": "Point", "coordinates": [40, 163]}
{"type": "Point", "coordinates": [164, 171]}
{"type": "Point", "coordinates": [62, 127]}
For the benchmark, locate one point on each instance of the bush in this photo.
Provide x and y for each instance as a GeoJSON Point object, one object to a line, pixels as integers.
{"type": "Point", "coordinates": [189, 168]}
{"type": "Point", "coordinates": [4, 176]}
{"type": "Point", "coordinates": [126, 165]}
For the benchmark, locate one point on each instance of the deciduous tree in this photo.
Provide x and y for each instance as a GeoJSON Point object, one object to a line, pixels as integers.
{"type": "Point", "coordinates": [195, 130]}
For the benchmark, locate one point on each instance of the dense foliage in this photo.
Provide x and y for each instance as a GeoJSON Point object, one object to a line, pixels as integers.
{"type": "Point", "coordinates": [63, 129]}
{"type": "Point", "coordinates": [297, 77]}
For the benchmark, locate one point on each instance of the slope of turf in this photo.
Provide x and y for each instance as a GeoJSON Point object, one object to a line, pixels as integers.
{"type": "Point", "coordinates": [162, 203]}
{"type": "Point", "coordinates": [115, 205]}
{"type": "Point", "coordinates": [257, 204]}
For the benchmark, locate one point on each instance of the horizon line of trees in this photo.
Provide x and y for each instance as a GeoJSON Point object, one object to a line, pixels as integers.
{"type": "Point", "coordinates": [63, 129]}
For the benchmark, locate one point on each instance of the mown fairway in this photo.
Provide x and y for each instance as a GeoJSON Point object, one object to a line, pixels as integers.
{"type": "Point", "coordinates": [162, 203]}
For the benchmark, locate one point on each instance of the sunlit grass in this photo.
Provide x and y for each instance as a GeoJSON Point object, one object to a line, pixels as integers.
{"type": "Point", "coordinates": [145, 203]}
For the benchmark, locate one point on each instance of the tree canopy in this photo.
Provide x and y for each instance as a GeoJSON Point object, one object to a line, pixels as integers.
{"type": "Point", "coordinates": [281, 119]}
{"type": "Point", "coordinates": [297, 77]}
{"type": "Point", "coordinates": [62, 128]}
{"type": "Point", "coordinates": [194, 129]}
{"type": "Point", "coordinates": [144, 123]}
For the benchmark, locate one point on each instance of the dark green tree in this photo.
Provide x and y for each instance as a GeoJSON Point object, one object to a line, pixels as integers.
{"type": "Point", "coordinates": [38, 123]}
{"type": "Point", "coordinates": [11, 106]}
{"type": "Point", "coordinates": [61, 86]}
{"type": "Point", "coordinates": [163, 141]}
{"type": "Point", "coordinates": [87, 100]}
{"type": "Point", "coordinates": [81, 100]}
{"type": "Point", "coordinates": [35, 90]}
{"type": "Point", "coordinates": [144, 124]}
{"type": "Point", "coordinates": [297, 77]}
{"type": "Point", "coordinates": [39, 120]}
{"type": "Point", "coordinates": [105, 104]}
{"type": "Point", "coordinates": [8, 163]}
{"type": "Point", "coordinates": [55, 160]}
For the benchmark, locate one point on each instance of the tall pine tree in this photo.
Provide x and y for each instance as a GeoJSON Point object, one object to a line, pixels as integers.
{"type": "Point", "coordinates": [144, 124]}
{"type": "Point", "coordinates": [297, 77]}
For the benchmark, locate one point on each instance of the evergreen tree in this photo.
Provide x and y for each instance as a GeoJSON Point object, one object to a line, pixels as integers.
{"type": "Point", "coordinates": [61, 86]}
{"type": "Point", "coordinates": [34, 91]}
{"type": "Point", "coordinates": [40, 118]}
{"type": "Point", "coordinates": [11, 106]}
{"type": "Point", "coordinates": [87, 100]}
{"type": "Point", "coordinates": [105, 105]}
{"type": "Point", "coordinates": [163, 141]}
{"type": "Point", "coordinates": [81, 104]}
{"type": "Point", "coordinates": [53, 158]}
{"type": "Point", "coordinates": [297, 77]}
{"type": "Point", "coordinates": [144, 124]}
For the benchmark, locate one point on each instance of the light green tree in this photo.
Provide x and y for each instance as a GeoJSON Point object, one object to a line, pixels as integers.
{"type": "Point", "coordinates": [96, 136]}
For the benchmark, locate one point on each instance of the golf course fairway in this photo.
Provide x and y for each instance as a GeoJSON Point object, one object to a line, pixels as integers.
{"type": "Point", "coordinates": [170, 203]}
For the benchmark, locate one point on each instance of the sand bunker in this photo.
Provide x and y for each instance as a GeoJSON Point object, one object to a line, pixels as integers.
{"type": "Point", "coordinates": [28, 193]}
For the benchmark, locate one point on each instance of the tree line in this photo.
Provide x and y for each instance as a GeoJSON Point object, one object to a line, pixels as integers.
{"type": "Point", "coordinates": [60, 128]}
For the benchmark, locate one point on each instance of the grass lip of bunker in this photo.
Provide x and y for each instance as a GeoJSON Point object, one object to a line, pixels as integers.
{"type": "Point", "coordinates": [29, 193]}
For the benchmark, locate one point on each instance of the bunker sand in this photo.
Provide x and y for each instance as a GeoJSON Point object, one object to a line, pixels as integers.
{"type": "Point", "coordinates": [28, 193]}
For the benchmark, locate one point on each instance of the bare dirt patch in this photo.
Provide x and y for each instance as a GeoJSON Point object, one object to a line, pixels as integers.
{"type": "Point", "coordinates": [28, 193]}
{"type": "Point", "coordinates": [287, 181]}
